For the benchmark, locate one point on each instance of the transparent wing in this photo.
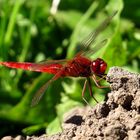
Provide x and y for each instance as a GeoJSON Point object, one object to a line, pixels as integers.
{"type": "Point", "coordinates": [90, 39]}
{"type": "Point", "coordinates": [42, 90]}
{"type": "Point", "coordinates": [46, 63]}
{"type": "Point", "coordinates": [97, 47]}
{"type": "Point", "coordinates": [40, 93]}
{"type": "Point", "coordinates": [53, 61]}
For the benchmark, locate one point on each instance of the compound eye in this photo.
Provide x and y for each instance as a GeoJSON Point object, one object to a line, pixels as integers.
{"type": "Point", "coordinates": [103, 67]}
{"type": "Point", "coordinates": [98, 66]}
{"type": "Point", "coordinates": [95, 66]}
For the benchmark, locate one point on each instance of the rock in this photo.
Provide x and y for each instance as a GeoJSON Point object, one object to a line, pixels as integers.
{"type": "Point", "coordinates": [116, 118]}
{"type": "Point", "coordinates": [7, 138]}
{"type": "Point", "coordinates": [19, 138]}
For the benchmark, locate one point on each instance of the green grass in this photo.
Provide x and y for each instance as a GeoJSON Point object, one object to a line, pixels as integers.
{"type": "Point", "coordinates": [28, 32]}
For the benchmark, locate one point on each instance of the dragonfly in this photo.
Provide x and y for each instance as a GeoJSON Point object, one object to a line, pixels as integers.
{"type": "Point", "coordinates": [79, 66]}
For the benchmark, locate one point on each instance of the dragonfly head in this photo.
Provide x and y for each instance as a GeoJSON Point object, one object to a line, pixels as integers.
{"type": "Point", "coordinates": [98, 66]}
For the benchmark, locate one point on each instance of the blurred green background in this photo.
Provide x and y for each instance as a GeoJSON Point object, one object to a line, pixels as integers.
{"type": "Point", "coordinates": [32, 31]}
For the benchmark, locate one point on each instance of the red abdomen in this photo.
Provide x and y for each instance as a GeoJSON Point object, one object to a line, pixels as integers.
{"type": "Point", "coordinates": [48, 68]}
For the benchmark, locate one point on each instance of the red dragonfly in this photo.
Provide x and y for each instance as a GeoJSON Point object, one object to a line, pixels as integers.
{"type": "Point", "coordinates": [79, 66]}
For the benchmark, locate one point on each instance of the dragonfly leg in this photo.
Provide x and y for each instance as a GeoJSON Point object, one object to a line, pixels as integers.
{"type": "Point", "coordinates": [97, 82]}
{"type": "Point", "coordinates": [90, 89]}
{"type": "Point", "coordinates": [103, 77]}
{"type": "Point", "coordinates": [83, 92]}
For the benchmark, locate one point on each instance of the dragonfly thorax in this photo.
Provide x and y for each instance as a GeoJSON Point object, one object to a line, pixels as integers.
{"type": "Point", "coordinates": [98, 66]}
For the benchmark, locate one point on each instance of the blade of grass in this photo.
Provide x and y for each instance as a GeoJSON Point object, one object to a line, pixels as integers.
{"type": "Point", "coordinates": [3, 22]}
{"type": "Point", "coordinates": [27, 41]}
{"type": "Point", "coordinates": [11, 24]}
{"type": "Point", "coordinates": [6, 35]}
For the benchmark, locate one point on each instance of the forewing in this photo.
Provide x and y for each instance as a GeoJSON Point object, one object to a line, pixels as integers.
{"type": "Point", "coordinates": [97, 47]}
{"type": "Point", "coordinates": [90, 39]}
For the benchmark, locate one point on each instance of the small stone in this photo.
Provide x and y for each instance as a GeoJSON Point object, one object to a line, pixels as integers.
{"type": "Point", "coordinates": [7, 138]}
{"type": "Point", "coordinates": [19, 138]}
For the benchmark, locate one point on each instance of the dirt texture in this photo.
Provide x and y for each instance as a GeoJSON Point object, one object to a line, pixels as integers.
{"type": "Point", "coordinates": [117, 118]}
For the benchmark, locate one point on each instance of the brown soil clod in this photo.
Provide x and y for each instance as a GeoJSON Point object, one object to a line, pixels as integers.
{"type": "Point", "coordinates": [118, 118]}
